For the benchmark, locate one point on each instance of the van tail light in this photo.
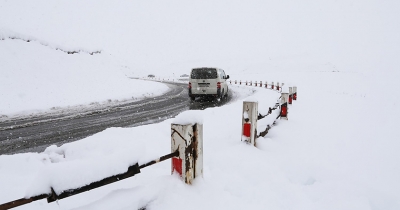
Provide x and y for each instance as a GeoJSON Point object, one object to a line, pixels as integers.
{"type": "Point", "coordinates": [190, 85]}
{"type": "Point", "coordinates": [218, 85]}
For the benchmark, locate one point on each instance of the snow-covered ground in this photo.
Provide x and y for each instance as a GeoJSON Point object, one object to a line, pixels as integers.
{"type": "Point", "coordinates": [338, 150]}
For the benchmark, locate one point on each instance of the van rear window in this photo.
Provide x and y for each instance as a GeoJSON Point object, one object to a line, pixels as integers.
{"type": "Point", "coordinates": [204, 73]}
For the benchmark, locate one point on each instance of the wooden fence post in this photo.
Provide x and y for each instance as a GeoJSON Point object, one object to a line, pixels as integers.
{"type": "Point", "coordinates": [240, 83]}
{"type": "Point", "coordinates": [188, 140]}
{"type": "Point", "coordinates": [290, 95]}
{"type": "Point", "coordinates": [277, 86]}
{"type": "Point", "coordinates": [260, 83]}
{"type": "Point", "coordinates": [272, 86]}
{"type": "Point", "coordinates": [284, 105]}
{"type": "Point", "coordinates": [249, 122]}
{"type": "Point", "coordinates": [294, 93]}
{"type": "Point", "coordinates": [266, 84]}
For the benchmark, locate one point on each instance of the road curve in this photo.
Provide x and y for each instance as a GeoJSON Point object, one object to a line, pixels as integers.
{"type": "Point", "coordinates": [34, 134]}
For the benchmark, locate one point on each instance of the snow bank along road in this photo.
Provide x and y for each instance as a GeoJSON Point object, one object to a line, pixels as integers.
{"type": "Point", "coordinates": [34, 134]}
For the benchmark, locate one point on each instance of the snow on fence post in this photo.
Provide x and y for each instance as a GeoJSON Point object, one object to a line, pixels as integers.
{"type": "Point", "coordinates": [188, 140]}
{"type": "Point", "coordinates": [249, 122]}
{"type": "Point", "coordinates": [284, 105]}
{"type": "Point", "coordinates": [290, 95]}
{"type": "Point", "coordinates": [294, 93]}
{"type": "Point", "coordinates": [272, 86]}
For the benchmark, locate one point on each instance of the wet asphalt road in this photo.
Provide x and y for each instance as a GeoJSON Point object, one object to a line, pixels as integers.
{"type": "Point", "coordinates": [34, 134]}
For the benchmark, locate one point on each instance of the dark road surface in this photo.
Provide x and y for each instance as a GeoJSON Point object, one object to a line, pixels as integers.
{"type": "Point", "coordinates": [34, 134]}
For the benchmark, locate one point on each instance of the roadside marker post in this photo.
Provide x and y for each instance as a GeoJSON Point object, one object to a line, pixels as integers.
{"type": "Point", "coordinates": [272, 86]}
{"type": "Point", "coordinates": [266, 84]}
{"type": "Point", "coordinates": [295, 93]}
{"type": "Point", "coordinates": [249, 122]}
{"type": "Point", "coordinates": [284, 105]}
{"type": "Point", "coordinates": [290, 95]}
{"type": "Point", "coordinates": [277, 86]}
{"type": "Point", "coordinates": [188, 140]}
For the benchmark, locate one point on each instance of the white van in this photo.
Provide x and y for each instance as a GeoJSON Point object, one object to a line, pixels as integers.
{"type": "Point", "coordinates": [206, 81]}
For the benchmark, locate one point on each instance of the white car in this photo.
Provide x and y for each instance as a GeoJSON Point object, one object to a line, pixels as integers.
{"type": "Point", "coordinates": [207, 81]}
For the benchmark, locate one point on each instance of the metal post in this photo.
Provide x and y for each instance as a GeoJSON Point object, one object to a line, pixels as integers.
{"type": "Point", "coordinates": [249, 122]}
{"type": "Point", "coordinates": [188, 140]}
{"type": "Point", "coordinates": [284, 105]}
{"type": "Point", "coordinates": [294, 93]}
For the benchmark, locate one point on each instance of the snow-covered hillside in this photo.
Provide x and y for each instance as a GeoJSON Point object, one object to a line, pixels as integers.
{"type": "Point", "coordinates": [338, 150]}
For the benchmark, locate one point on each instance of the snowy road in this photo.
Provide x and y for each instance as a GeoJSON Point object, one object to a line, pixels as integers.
{"type": "Point", "coordinates": [34, 134]}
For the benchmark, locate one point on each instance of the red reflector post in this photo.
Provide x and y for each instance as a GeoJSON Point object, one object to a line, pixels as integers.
{"type": "Point", "coordinates": [177, 165]}
{"type": "Point", "coordinates": [246, 129]}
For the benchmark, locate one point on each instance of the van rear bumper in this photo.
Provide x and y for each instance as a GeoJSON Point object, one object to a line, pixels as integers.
{"type": "Point", "coordinates": [218, 94]}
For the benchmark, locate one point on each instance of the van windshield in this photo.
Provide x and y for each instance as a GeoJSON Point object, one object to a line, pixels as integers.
{"type": "Point", "coordinates": [204, 73]}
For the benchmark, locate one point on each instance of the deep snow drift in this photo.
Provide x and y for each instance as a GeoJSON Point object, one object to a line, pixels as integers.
{"type": "Point", "coordinates": [338, 150]}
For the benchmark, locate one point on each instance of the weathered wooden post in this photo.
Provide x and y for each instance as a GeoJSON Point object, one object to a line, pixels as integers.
{"type": "Point", "coordinates": [188, 140]}
{"type": "Point", "coordinates": [284, 105]}
{"type": "Point", "coordinates": [290, 95]}
{"type": "Point", "coordinates": [294, 93]}
{"type": "Point", "coordinates": [272, 86]}
{"type": "Point", "coordinates": [249, 122]}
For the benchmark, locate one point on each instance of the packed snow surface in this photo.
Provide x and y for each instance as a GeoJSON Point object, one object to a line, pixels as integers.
{"type": "Point", "coordinates": [337, 150]}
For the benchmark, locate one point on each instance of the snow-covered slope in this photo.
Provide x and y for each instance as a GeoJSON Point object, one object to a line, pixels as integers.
{"type": "Point", "coordinates": [338, 150]}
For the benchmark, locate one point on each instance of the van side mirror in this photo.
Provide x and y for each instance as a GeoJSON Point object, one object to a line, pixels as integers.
{"type": "Point", "coordinates": [227, 77]}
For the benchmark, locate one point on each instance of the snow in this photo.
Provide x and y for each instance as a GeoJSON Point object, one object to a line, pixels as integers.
{"type": "Point", "coordinates": [189, 117]}
{"type": "Point", "coordinates": [337, 150]}
{"type": "Point", "coordinates": [36, 78]}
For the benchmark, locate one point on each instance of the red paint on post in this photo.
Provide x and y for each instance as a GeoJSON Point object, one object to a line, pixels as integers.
{"type": "Point", "coordinates": [246, 129]}
{"type": "Point", "coordinates": [295, 96]}
{"type": "Point", "coordinates": [177, 165]}
{"type": "Point", "coordinates": [284, 111]}
{"type": "Point", "coordinates": [290, 99]}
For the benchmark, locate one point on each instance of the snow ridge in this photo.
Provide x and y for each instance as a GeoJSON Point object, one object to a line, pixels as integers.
{"type": "Point", "coordinates": [4, 36]}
